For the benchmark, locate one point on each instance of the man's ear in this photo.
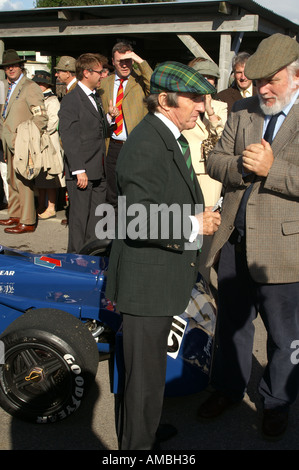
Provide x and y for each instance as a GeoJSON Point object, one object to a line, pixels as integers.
{"type": "Point", "coordinates": [163, 102]}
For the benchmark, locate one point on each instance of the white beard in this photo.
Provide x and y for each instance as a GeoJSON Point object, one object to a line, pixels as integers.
{"type": "Point", "coordinates": [279, 104]}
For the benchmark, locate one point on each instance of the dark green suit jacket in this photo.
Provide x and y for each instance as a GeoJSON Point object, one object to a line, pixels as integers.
{"type": "Point", "coordinates": [153, 274]}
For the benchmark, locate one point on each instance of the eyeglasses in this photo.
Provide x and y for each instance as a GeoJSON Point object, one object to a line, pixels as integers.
{"type": "Point", "coordinates": [100, 72]}
{"type": "Point", "coordinates": [11, 66]}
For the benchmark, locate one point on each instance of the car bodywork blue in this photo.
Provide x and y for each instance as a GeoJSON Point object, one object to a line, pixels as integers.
{"type": "Point", "coordinates": [76, 284]}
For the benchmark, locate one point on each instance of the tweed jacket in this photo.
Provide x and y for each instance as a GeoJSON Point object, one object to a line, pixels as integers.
{"type": "Point", "coordinates": [272, 218]}
{"type": "Point", "coordinates": [82, 133]}
{"type": "Point", "coordinates": [137, 88]}
{"type": "Point", "coordinates": [232, 94]}
{"type": "Point", "coordinates": [26, 102]}
{"type": "Point", "coordinates": [154, 275]}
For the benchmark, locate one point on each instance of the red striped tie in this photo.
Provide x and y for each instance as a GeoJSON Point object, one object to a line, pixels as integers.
{"type": "Point", "coordinates": [119, 119]}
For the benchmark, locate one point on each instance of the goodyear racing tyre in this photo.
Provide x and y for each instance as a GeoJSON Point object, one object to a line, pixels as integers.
{"type": "Point", "coordinates": [97, 248]}
{"type": "Point", "coordinates": [50, 360]}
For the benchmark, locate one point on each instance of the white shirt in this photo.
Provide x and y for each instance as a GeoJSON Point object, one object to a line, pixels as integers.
{"type": "Point", "coordinates": [176, 133]}
{"type": "Point", "coordinates": [88, 92]}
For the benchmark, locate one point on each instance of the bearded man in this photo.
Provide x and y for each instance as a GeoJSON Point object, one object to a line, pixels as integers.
{"type": "Point", "coordinates": [258, 239]}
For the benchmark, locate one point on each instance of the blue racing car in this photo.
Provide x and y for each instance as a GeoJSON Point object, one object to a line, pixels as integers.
{"type": "Point", "coordinates": [56, 324]}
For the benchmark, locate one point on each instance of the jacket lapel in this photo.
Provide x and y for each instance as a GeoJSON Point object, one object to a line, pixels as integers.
{"type": "Point", "coordinates": [87, 103]}
{"type": "Point", "coordinates": [287, 130]}
{"type": "Point", "coordinates": [178, 157]}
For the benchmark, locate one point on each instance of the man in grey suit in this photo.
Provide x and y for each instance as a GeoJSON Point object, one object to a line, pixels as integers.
{"type": "Point", "coordinates": [83, 129]}
{"type": "Point", "coordinates": [24, 102]}
{"type": "Point", "coordinates": [258, 239]}
{"type": "Point", "coordinates": [152, 272]}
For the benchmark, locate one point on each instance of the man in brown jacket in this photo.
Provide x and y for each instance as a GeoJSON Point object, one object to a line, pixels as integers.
{"type": "Point", "coordinates": [241, 87]}
{"type": "Point", "coordinates": [258, 239]}
{"type": "Point", "coordinates": [24, 101]}
{"type": "Point", "coordinates": [66, 72]}
{"type": "Point", "coordinates": [136, 85]}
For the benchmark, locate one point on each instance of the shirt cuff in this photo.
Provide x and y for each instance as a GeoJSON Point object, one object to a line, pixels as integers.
{"type": "Point", "coordinates": [194, 228]}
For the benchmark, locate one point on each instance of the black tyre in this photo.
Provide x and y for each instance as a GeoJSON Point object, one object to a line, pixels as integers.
{"type": "Point", "coordinates": [50, 361]}
{"type": "Point", "coordinates": [97, 248]}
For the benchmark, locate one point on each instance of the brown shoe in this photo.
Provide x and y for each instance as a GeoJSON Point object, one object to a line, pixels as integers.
{"type": "Point", "coordinates": [275, 423]}
{"type": "Point", "coordinates": [64, 222]}
{"type": "Point", "coordinates": [10, 221]}
{"type": "Point", "coordinates": [20, 228]}
{"type": "Point", "coordinates": [214, 406]}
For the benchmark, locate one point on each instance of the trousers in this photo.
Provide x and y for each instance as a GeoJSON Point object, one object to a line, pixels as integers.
{"type": "Point", "coordinates": [145, 358]}
{"type": "Point", "coordinates": [82, 208]}
{"type": "Point", "coordinates": [240, 300]}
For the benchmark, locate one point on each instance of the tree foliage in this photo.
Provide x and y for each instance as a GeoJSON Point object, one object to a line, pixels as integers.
{"type": "Point", "coordinates": [74, 3]}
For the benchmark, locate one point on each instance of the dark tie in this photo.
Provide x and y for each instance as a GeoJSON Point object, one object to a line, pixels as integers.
{"type": "Point", "coordinates": [187, 155]}
{"type": "Point", "coordinates": [7, 98]}
{"type": "Point", "coordinates": [241, 214]}
{"type": "Point", "coordinates": [95, 96]}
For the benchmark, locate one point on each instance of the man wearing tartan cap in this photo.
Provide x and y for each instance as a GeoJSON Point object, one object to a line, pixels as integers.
{"type": "Point", "coordinates": [151, 276]}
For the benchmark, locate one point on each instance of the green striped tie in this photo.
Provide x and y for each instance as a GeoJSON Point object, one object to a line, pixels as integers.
{"type": "Point", "coordinates": [187, 155]}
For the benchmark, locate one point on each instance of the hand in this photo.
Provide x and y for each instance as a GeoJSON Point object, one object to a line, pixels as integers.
{"type": "Point", "coordinates": [208, 106]}
{"type": "Point", "coordinates": [209, 221]}
{"type": "Point", "coordinates": [113, 110]}
{"type": "Point", "coordinates": [82, 180]}
{"type": "Point", "coordinates": [133, 56]}
{"type": "Point", "coordinates": [258, 158]}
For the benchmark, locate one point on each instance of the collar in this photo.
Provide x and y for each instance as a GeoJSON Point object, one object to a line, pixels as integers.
{"type": "Point", "coordinates": [284, 111]}
{"type": "Point", "coordinates": [171, 126]}
{"type": "Point", "coordinates": [118, 79]}
{"type": "Point", "coordinates": [85, 88]}
{"type": "Point", "coordinates": [249, 89]}
{"type": "Point", "coordinates": [71, 83]}
{"type": "Point", "coordinates": [17, 81]}
{"type": "Point", "coordinates": [289, 106]}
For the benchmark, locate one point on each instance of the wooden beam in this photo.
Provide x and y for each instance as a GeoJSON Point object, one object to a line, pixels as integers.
{"type": "Point", "coordinates": [193, 46]}
{"type": "Point", "coordinates": [136, 26]}
{"type": "Point", "coordinates": [225, 60]}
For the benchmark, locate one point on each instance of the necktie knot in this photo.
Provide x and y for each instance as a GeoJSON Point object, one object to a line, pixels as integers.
{"type": "Point", "coordinates": [183, 143]}
{"type": "Point", "coordinates": [268, 136]}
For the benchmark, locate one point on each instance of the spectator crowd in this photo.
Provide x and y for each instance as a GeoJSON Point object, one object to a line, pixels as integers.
{"type": "Point", "coordinates": [166, 137]}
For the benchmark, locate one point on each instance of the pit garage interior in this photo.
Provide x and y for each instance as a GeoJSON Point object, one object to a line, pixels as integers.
{"type": "Point", "coordinates": [178, 30]}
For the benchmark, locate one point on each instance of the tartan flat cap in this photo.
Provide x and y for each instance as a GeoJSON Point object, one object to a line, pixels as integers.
{"type": "Point", "coordinates": [273, 53]}
{"type": "Point", "coordinates": [180, 78]}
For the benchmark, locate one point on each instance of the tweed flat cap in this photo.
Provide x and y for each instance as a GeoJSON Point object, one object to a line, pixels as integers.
{"type": "Point", "coordinates": [273, 53]}
{"type": "Point", "coordinates": [176, 77]}
{"type": "Point", "coordinates": [206, 67]}
{"type": "Point", "coordinates": [66, 64]}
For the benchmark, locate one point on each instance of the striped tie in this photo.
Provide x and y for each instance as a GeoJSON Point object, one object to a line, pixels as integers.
{"type": "Point", "coordinates": [119, 119]}
{"type": "Point", "coordinates": [7, 99]}
{"type": "Point", "coordinates": [187, 155]}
